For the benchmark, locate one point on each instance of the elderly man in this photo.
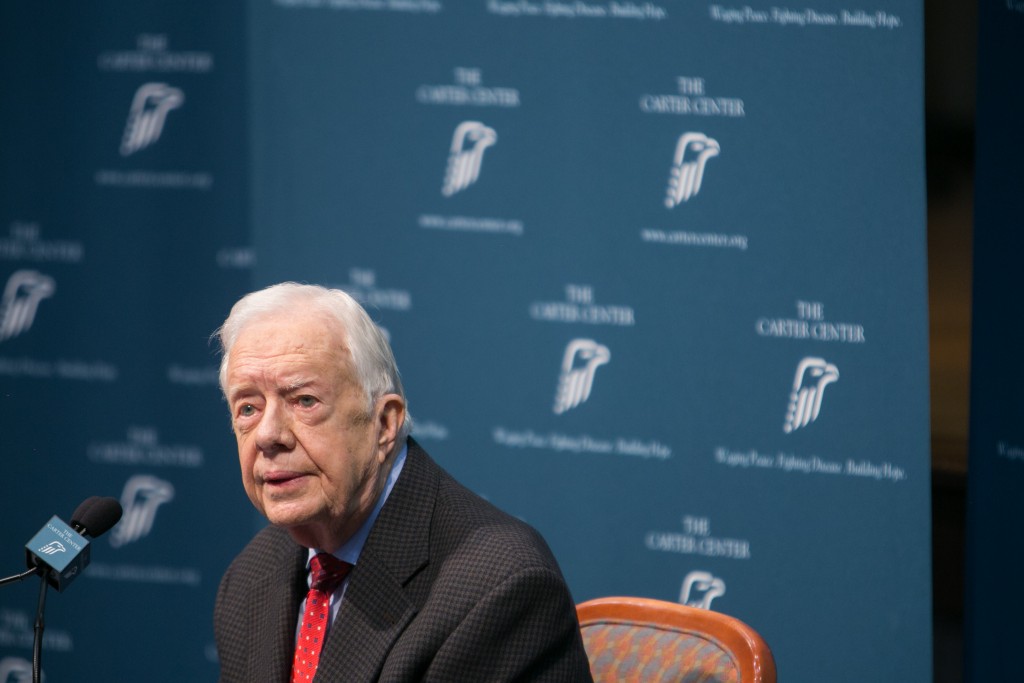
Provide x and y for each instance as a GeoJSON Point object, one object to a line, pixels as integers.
{"type": "Point", "coordinates": [377, 564]}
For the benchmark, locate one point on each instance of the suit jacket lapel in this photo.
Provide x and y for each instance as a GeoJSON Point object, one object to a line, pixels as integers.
{"type": "Point", "coordinates": [376, 609]}
{"type": "Point", "coordinates": [275, 615]}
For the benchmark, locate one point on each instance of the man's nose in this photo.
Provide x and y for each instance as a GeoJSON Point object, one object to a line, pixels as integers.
{"type": "Point", "coordinates": [274, 433]}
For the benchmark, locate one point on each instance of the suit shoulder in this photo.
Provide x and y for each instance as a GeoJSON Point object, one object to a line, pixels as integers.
{"type": "Point", "coordinates": [431, 517]}
{"type": "Point", "coordinates": [263, 557]}
{"type": "Point", "coordinates": [469, 525]}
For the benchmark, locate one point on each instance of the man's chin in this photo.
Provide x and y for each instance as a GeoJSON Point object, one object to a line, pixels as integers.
{"type": "Point", "coordinates": [288, 516]}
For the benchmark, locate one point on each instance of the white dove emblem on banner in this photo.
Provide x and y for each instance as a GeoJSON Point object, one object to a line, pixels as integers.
{"type": "Point", "coordinates": [469, 142]}
{"type": "Point", "coordinates": [141, 497]}
{"type": "Point", "coordinates": [692, 153]}
{"type": "Point", "coordinates": [700, 588]}
{"type": "Point", "coordinates": [146, 118]}
{"type": "Point", "coordinates": [581, 360]}
{"type": "Point", "coordinates": [24, 290]}
{"type": "Point", "coordinates": [812, 376]}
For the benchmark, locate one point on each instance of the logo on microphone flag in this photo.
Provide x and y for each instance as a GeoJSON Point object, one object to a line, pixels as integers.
{"type": "Point", "coordinates": [53, 547]}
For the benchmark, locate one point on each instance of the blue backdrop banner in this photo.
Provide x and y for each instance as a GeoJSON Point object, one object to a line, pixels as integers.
{"type": "Point", "coordinates": [654, 273]}
{"type": "Point", "coordinates": [655, 277]}
{"type": "Point", "coordinates": [124, 240]}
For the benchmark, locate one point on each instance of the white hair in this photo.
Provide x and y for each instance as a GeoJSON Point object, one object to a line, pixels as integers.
{"type": "Point", "coordinates": [372, 358]}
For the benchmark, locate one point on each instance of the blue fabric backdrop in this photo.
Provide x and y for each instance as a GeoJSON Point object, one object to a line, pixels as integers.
{"type": "Point", "coordinates": [654, 273]}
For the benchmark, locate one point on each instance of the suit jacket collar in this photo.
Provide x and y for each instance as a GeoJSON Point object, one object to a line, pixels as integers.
{"type": "Point", "coordinates": [375, 609]}
{"type": "Point", "coordinates": [274, 608]}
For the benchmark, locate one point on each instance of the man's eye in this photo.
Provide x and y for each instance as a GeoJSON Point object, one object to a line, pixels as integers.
{"type": "Point", "coordinates": [307, 401]}
{"type": "Point", "coordinates": [247, 410]}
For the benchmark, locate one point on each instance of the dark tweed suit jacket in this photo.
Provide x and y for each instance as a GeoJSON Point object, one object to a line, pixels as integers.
{"type": "Point", "coordinates": [447, 588]}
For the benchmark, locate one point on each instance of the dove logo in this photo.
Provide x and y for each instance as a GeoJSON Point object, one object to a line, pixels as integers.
{"type": "Point", "coordinates": [15, 670]}
{"type": "Point", "coordinates": [812, 376]}
{"type": "Point", "coordinates": [141, 497]}
{"type": "Point", "coordinates": [52, 548]}
{"type": "Point", "coordinates": [24, 290]}
{"type": "Point", "coordinates": [692, 153]}
{"type": "Point", "coordinates": [469, 142]}
{"type": "Point", "coordinates": [581, 360]}
{"type": "Point", "coordinates": [148, 114]}
{"type": "Point", "coordinates": [700, 588]}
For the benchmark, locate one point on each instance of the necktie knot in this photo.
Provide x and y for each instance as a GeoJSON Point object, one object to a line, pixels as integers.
{"type": "Point", "coordinates": [327, 572]}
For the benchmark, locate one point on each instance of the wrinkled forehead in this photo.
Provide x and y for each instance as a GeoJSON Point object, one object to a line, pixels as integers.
{"type": "Point", "coordinates": [300, 325]}
{"type": "Point", "coordinates": [283, 340]}
{"type": "Point", "coordinates": [286, 326]}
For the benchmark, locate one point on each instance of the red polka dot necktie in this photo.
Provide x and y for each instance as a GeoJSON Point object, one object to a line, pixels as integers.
{"type": "Point", "coordinates": [326, 574]}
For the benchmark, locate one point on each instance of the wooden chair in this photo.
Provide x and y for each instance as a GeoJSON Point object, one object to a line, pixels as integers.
{"type": "Point", "coordinates": [652, 641]}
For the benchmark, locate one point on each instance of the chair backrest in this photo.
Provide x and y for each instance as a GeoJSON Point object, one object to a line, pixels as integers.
{"type": "Point", "coordinates": [639, 639]}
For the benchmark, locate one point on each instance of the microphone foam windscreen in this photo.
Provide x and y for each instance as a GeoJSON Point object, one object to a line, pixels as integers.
{"type": "Point", "coordinates": [83, 509]}
{"type": "Point", "coordinates": [98, 517]}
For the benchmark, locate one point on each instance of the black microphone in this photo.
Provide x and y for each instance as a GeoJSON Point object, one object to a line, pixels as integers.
{"type": "Point", "coordinates": [96, 515]}
{"type": "Point", "coordinates": [61, 552]}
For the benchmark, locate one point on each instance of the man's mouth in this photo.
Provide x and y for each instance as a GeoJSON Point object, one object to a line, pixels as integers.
{"type": "Point", "coordinates": [279, 479]}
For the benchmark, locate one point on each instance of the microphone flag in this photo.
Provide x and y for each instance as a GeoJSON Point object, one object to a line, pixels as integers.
{"type": "Point", "coordinates": [60, 552]}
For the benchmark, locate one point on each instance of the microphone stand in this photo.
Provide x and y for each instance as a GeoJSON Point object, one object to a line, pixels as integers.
{"type": "Point", "coordinates": [37, 644]}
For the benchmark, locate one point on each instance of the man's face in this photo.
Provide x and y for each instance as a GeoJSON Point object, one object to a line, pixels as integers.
{"type": "Point", "coordinates": [313, 461]}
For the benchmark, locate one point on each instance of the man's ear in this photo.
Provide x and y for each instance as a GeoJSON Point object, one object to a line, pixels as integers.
{"type": "Point", "coordinates": [390, 417]}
